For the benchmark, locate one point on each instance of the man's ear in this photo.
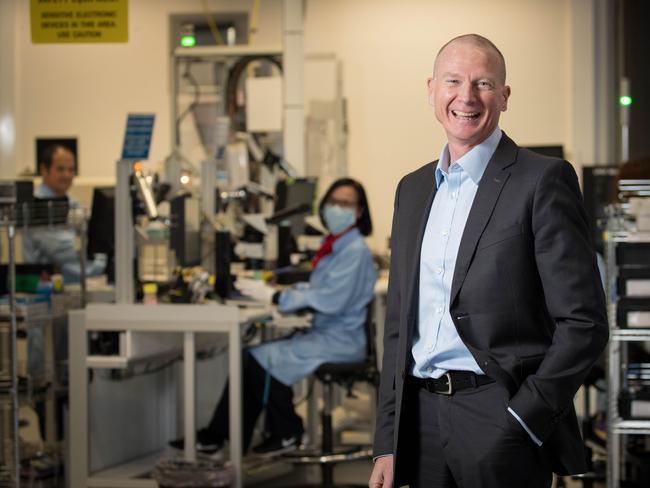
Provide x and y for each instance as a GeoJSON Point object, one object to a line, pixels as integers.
{"type": "Point", "coordinates": [506, 96]}
{"type": "Point", "coordinates": [430, 82]}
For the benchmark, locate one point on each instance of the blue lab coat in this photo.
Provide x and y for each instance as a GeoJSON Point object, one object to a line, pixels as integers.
{"type": "Point", "coordinates": [339, 290]}
{"type": "Point", "coordinates": [56, 246]}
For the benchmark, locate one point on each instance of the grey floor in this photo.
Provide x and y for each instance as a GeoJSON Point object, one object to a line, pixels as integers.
{"type": "Point", "coordinates": [356, 472]}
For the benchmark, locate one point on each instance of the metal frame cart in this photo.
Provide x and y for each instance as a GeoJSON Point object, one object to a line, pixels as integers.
{"type": "Point", "coordinates": [624, 248]}
{"type": "Point", "coordinates": [13, 217]}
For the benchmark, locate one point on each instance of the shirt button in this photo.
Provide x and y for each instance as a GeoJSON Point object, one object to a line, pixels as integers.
{"type": "Point", "coordinates": [429, 370]}
{"type": "Point", "coordinates": [453, 194]}
{"type": "Point", "coordinates": [438, 270]}
{"type": "Point", "coordinates": [445, 232]}
{"type": "Point", "coordinates": [440, 309]}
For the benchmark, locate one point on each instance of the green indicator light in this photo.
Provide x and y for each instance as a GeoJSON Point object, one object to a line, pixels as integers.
{"type": "Point", "coordinates": [625, 100]}
{"type": "Point", "coordinates": [188, 41]}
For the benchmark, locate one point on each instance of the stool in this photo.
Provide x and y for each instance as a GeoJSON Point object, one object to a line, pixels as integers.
{"type": "Point", "coordinates": [344, 374]}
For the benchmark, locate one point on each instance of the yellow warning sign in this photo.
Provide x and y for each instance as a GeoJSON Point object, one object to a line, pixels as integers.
{"type": "Point", "coordinates": [56, 21]}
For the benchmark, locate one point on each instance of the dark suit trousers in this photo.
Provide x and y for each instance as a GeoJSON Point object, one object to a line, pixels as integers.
{"type": "Point", "coordinates": [470, 440]}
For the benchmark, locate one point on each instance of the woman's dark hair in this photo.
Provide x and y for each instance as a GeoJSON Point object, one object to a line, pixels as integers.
{"type": "Point", "coordinates": [364, 222]}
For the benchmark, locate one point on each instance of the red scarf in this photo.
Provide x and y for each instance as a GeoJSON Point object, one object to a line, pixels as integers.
{"type": "Point", "coordinates": [327, 246]}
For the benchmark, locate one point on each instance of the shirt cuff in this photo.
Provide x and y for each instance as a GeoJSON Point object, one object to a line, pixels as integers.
{"type": "Point", "coordinates": [380, 456]}
{"type": "Point", "coordinates": [523, 424]}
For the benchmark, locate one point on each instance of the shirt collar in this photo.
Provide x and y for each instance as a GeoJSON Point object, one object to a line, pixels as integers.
{"type": "Point", "coordinates": [343, 241]}
{"type": "Point", "coordinates": [44, 191]}
{"type": "Point", "coordinates": [474, 162]}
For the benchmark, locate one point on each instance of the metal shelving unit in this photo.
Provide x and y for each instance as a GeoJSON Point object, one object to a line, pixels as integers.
{"type": "Point", "coordinates": [617, 426]}
{"type": "Point", "coordinates": [9, 459]}
{"type": "Point", "coordinates": [12, 218]}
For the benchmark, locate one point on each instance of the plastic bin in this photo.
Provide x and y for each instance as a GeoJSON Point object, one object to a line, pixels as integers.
{"type": "Point", "coordinates": [178, 473]}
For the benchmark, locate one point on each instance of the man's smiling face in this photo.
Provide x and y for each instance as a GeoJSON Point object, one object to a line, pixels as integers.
{"type": "Point", "coordinates": [468, 93]}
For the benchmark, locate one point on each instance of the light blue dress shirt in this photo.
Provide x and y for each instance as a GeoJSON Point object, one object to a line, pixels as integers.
{"type": "Point", "coordinates": [339, 290]}
{"type": "Point", "coordinates": [438, 348]}
{"type": "Point", "coordinates": [57, 246]}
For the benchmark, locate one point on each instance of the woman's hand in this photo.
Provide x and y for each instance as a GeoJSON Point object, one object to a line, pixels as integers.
{"type": "Point", "coordinates": [256, 289]}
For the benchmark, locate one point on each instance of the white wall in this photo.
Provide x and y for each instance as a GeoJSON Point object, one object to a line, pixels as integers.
{"type": "Point", "coordinates": [86, 90]}
{"type": "Point", "coordinates": [387, 48]}
{"type": "Point", "coordinates": [7, 88]}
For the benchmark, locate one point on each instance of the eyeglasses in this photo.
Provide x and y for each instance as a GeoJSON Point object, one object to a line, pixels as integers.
{"type": "Point", "coordinates": [342, 203]}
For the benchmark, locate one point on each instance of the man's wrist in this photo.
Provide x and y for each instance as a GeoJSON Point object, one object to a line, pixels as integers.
{"type": "Point", "coordinates": [374, 459]}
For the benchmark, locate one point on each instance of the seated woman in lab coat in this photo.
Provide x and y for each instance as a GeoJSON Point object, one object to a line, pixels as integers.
{"type": "Point", "coordinates": [339, 290]}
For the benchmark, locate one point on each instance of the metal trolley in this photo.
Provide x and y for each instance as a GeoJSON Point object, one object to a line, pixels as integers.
{"type": "Point", "coordinates": [14, 217]}
{"type": "Point", "coordinates": [625, 246]}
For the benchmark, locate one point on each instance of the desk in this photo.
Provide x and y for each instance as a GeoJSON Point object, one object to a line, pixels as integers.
{"type": "Point", "coordinates": [179, 318]}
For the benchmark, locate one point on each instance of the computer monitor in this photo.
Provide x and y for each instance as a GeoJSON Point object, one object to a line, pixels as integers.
{"type": "Point", "coordinates": [292, 193]}
{"type": "Point", "coordinates": [553, 151]}
{"type": "Point", "coordinates": [185, 232]}
{"type": "Point", "coordinates": [42, 143]}
{"type": "Point", "coordinates": [599, 188]}
{"type": "Point", "coordinates": [101, 227]}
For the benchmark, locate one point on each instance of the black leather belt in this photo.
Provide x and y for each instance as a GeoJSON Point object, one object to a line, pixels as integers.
{"type": "Point", "coordinates": [451, 381]}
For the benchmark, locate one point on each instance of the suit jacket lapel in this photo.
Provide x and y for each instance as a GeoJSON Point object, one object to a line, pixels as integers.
{"type": "Point", "coordinates": [489, 189]}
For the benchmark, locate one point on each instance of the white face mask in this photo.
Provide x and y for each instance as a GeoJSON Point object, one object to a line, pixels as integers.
{"type": "Point", "coordinates": [339, 218]}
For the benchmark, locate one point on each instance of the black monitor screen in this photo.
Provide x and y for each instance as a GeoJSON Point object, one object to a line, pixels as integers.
{"type": "Point", "coordinates": [599, 187]}
{"type": "Point", "coordinates": [101, 226]}
{"type": "Point", "coordinates": [185, 232]}
{"type": "Point", "coordinates": [553, 151]}
{"type": "Point", "coordinates": [42, 143]}
{"type": "Point", "coordinates": [293, 193]}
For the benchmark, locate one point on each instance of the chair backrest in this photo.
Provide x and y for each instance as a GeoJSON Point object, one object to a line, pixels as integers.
{"type": "Point", "coordinates": [371, 334]}
{"type": "Point", "coordinates": [372, 366]}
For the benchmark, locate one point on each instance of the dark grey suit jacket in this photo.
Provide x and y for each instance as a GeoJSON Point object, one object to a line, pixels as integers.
{"type": "Point", "coordinates": [526, 297]}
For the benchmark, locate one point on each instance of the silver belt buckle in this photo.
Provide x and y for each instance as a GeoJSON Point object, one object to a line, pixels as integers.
{"type": "Point", "coordinates": [449, 387]}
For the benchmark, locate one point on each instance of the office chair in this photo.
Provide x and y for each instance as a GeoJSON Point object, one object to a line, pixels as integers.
{"type": "Point", "coordinates": [345, 374]}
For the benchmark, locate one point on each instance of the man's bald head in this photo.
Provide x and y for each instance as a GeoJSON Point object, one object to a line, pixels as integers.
{"type": "Point", "coordinates": [478, 41]}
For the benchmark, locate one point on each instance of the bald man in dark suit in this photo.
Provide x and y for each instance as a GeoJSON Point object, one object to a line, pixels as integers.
{"type": "Point", "coordinates": [496, 311]}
